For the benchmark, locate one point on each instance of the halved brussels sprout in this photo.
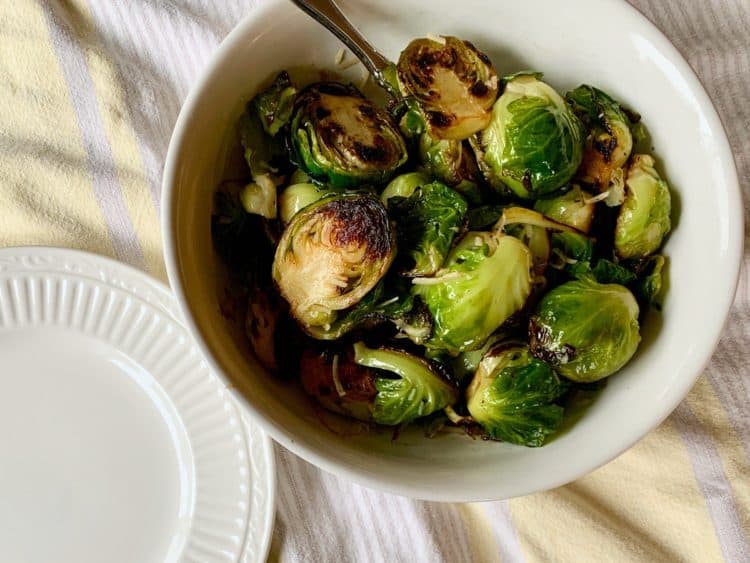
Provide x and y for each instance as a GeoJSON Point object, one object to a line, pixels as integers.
{"type": "Point", "coordinates": [609, 141]}
{"type": "Point", "coordinates": [341, 138]}
{"type": "Point", "coordinates": [382, 385]}
{"type": "Point", "coordinates": [585, 330]}
{"type": "Point", "coordinates": [427, 222]}
{"type": "Point", "coordinates": [403, 185]}
{"type": "Point", "coordinates": [512, 396]}
{"type": "Point", "coordinates": [331, 254]}
{"type": "Point", "coordinates": [274, 105]}
{"type": "Point", "coordinates": [574, 208]}
{"type": "Point", "coordinates": [644, 219]}
{"type": "Point", "coordinates": [296, 197]}
{"type": "Point", "coordinates": [485, 279]}
{"type": "Point", "coordinates": [454, 83]}
{"type": "Point", "coordinates": [533, 143]}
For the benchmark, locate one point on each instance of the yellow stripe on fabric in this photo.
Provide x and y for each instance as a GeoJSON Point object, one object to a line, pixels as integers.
{"type": "Point", "coordinates": [46, 194]}
{"type": "Point", "coordinates": [122, 139]}
{"type": "Point", "coordinates": [713, 418]}
{"type": "Point", "coordinates": [480, 533]}
{"type": "Point", "coordinates": [644, 506]}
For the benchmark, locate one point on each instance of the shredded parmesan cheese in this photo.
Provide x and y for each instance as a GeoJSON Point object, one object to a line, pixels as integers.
{"type": "Point", "coordinates": [335, 376]}
{"type": "Point", "coordinates": [388, 302]}
{"type": "Point", "coordinates": [601, 197]}
{"type": "Point", "coordinates": [340, 56]}
{"type": "Point", "coordinates": [348, 64]}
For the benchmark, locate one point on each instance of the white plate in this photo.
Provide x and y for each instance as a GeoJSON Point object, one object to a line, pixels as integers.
{"type": "Point", "coordinates": [117, 442]}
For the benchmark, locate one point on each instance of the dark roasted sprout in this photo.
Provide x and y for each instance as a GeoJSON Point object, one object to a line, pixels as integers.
{"type": "Point", "coordinates": [341, 138]}
{"type": "Point", "coordinates": [480, 252]}
{"type": "Point", "coordinates": [609, 140]}
{"type": "Point", "coordinates": [332, 253]}
{"type": "Point", "coordinates": [385, 385]}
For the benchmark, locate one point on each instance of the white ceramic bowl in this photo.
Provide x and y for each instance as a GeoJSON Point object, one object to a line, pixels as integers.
{"type": "Point", "coordinates": [603, 42]}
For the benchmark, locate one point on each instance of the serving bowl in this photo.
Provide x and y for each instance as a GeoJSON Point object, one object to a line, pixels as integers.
{"type": "Point", "coordinates": [601, 42]}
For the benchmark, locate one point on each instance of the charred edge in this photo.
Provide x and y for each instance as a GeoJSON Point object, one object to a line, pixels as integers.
{"type": "Point", "coordinates": [377, 153]}
{"type": "Point", "coordinates": [605, 148]}
{"type": "Point", "coordinates": [482, 57]}
{"type": "Point", "coordinates": [321, 113]}
{"type": "Point", "coordinates": [439, 119]}
{"type": "Point", "coordinates": [479, 90]}
{"type": "Point", "coordinates": [367, 110]}
{"type": "Point", "coordinates": [526, 181]}
{"type": "Point", "coordinates": [539, 340]}
{"type": "Point", "coordinates": [361, 221]}
{"type": "Point", "coordinates": [633, 116]}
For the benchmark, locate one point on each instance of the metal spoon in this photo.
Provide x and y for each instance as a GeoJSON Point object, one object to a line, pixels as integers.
{"type": "Point", "coordinates": [328, 14]}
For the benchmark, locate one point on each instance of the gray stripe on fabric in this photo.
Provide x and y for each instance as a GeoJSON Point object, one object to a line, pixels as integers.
{"type": "Point", "coordinates": [107, 188]}
{"type": "Point", "coordinates": [726, 78]}
{"type": "Point", "coordinates": [505, 533]}
{"type": "Point", "coordinates": [713, 483]}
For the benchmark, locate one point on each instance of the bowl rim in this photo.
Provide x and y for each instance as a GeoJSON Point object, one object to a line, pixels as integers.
{"type": "Point", "coordinates": [391, 483]}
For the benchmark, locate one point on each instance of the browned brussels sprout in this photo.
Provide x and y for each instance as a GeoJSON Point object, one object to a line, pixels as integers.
{"type": "Point", "coordinates": [331, 255]}
{"type": "Point", "coordinates": [454, 83]}
{"type": "Point", "coordinates": [341, 138]}
{"type": "Point", "coordinates": [383, 385]}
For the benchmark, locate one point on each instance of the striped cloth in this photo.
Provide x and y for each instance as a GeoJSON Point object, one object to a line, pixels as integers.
{"type": "Point", "coordinates": [91, 91]}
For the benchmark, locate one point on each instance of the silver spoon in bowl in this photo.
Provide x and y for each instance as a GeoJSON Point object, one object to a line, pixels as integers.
{"type": "Point", "coordinates": [328, 14]}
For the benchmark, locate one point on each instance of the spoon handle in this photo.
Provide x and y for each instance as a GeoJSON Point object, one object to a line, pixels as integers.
{"type": "Point", "coordinates": [328, 14]}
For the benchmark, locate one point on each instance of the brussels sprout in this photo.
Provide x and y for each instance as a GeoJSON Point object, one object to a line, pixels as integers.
{"type": "Point", "coordinates": [299, 177]}
{"type": "Point", "coordinates": [403, 185]}
{"type": "Point", "coordinates": [644, 220]}
{"type": "Point", "coordinates": [648, 283]}
{"type": "Point", "coordinates": [512, 396]}
{"type": "Point", "coordinates": [427, 222]}
{"type": "Point", "coordinates": [603, 271]}
{"type": "Point", "coordinates": [331, 255]}
{"type": "Point", "coordinates": [585, 330]}
{"type": "Point", "coordinates": [274, 105]}
{"type": "Point", "coordinates": [454, 83]}
{"type": "Point", "coordinates": [296, 197]}
{"type": "Point", "coordinates": [483, 217]}
{"type": "Point", "coordinates": [574, 208]}
{"type": "Point", "coordinates": [383, 385]}
{"type": "Point", "coordinates": [609, 140]}
{"type": "Point", "coordinates": [341, 138]}
{"type": "Point", "coordinates": [573, 246]}
{"type": "Point", "coordinates": [259, 197]}
{"type": "Point", "coordinates": [533, 143]}
{"type": "Point", "coordinates": [485, 279]}
{"type": "Point", "coordinates": [452, 162]}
